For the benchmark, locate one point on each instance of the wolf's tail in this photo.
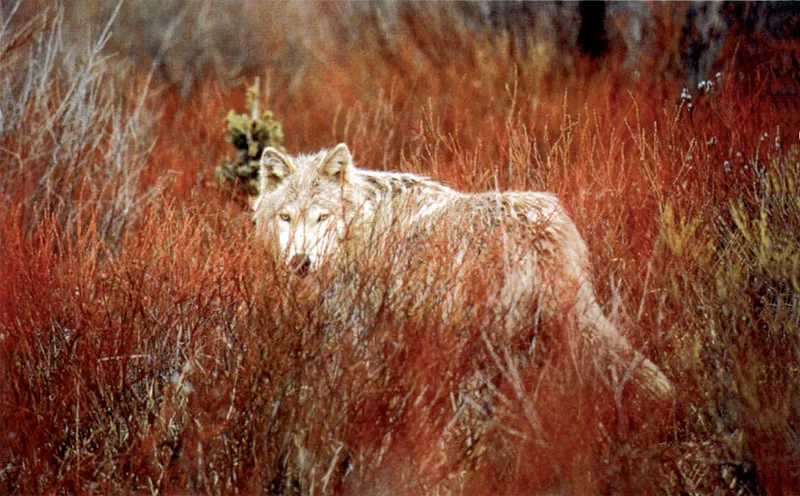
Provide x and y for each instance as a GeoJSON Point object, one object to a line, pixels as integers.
{"type": "Point", "coordinates": [651, 379]}
{"type": "Point", "coordinates": [631, 366]}
{"type": "Point", "coordinates": [628, 364]}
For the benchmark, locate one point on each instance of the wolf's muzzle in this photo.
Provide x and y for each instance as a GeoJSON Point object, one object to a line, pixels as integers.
{"type": "Point", "coordinates": [300, 264]}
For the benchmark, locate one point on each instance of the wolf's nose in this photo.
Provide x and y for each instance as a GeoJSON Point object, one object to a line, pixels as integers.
{"type": "Point", "coordinates": [300, 264]}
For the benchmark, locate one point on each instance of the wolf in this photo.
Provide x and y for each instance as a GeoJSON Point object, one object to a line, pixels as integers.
{"type": "Point", "coordinates": [319, 210]}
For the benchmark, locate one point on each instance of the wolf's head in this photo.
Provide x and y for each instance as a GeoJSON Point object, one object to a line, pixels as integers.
{"type": "Point", "coordinates": [306, 204]}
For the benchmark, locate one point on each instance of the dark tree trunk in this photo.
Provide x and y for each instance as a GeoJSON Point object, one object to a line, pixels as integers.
{"type": "Point", "coordinates": [592, 37]}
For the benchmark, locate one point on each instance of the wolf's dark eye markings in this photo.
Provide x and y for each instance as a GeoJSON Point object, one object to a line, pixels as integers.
{"type": "Point", "coordinates": [285, 217]}
{"type": "Point", "coordinates": [323, 217]}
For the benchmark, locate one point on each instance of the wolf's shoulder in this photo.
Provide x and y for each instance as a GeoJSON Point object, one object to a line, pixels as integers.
{"type": "Point", "coordinates": [390, 184]}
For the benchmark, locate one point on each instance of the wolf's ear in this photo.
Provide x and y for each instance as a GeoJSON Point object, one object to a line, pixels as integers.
{"type": "Point", "coordinates": [275, 166]}
{"type": "Point", "coordinates": [337, 163]}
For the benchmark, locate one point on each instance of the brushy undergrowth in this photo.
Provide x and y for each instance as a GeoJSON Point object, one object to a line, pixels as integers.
{"type": "Point", "coordinates": [147, 345]}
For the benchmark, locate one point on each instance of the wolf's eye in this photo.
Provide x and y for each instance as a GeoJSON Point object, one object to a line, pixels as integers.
{"type": "Point", "coordinates": [323, 216]}
{"type": "Point", "coordinates": [285, 217]}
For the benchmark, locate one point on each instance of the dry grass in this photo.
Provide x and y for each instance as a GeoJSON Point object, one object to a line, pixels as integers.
{"type": "Point", "coordinates": [147, 346]}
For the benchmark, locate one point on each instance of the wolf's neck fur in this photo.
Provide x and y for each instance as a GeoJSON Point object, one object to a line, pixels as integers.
{"type": "Point", "coordinates": [391, 185]}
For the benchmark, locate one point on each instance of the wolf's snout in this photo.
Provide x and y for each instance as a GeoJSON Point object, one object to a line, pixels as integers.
{"type": "Point", "coordinates": [300, 264]}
